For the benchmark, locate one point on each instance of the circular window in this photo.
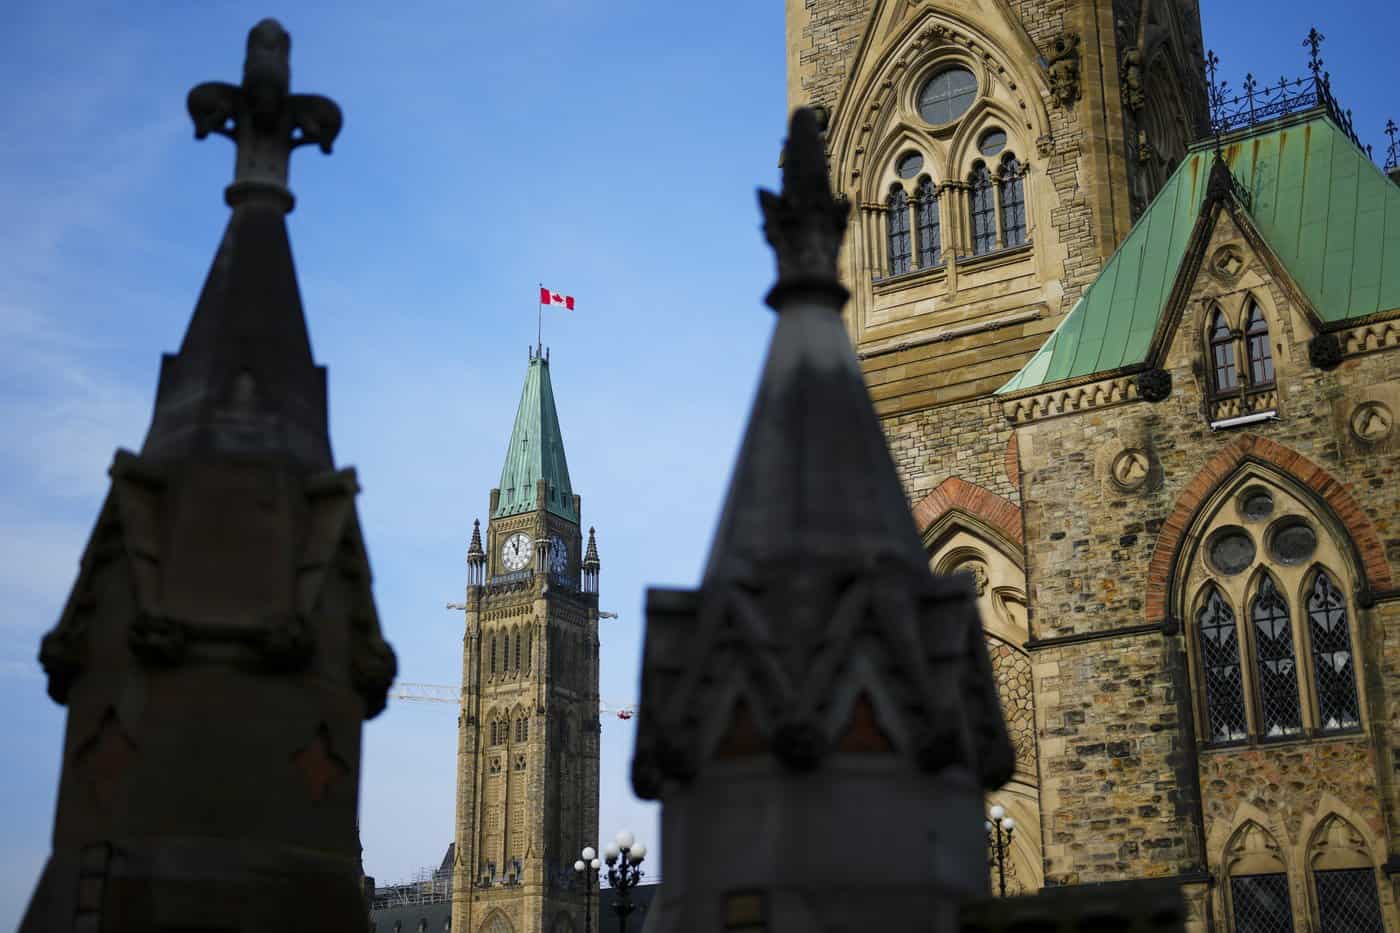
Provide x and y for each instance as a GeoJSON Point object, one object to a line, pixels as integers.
{"type": "Point", "coordinates": [947, 95]}
{"type": "Point", "coordinates": [1256, 504]}
{"type": "Point", "coordinates": [992, 142]}
{"type": "Point", "coordinates": [1293, 541]}
{"type": "Point", "coordinates": [908, 165]}
{"type": "Point", "coordinates": [1231, 550]}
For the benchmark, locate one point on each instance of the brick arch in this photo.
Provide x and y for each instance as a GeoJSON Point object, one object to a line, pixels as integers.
{"type": "Point", "coordinates": [1326, 487]}
{"type": "Point", "coordinates": [954, 494]}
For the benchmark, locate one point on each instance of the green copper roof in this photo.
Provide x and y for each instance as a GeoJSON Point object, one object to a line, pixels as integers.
{"type": "Point", "coordinates": [1328, 213]}
{"type": "Point", "coordinates": [536, 451]}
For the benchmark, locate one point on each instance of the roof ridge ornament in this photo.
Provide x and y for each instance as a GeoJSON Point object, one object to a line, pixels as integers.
{"type": "Point", "coordinates": [805, 224]}
{"type": "Point", "coordinates": [264, 121]}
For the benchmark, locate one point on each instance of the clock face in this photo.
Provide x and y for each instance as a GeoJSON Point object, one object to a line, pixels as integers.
{"type": "Point", "coordinates": [515, 553]}
{"type": "Point", "coordinates": [558, 556]}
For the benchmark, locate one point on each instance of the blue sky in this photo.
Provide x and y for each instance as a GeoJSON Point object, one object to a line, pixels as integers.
{"type": "Point", "coordinates": [608, 148]}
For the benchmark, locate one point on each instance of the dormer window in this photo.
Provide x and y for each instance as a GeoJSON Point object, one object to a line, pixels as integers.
{"type": "Point", "coordinates": [1241, 361]}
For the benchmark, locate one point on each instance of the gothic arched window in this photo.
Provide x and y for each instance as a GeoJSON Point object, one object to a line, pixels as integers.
{"type": "Point", "coordinates": [1222, 354]}
{"type": "Point", "coordinates": [982, 210]}
{"type": "Point", "coordinates": [1258, 890]}
{"type": "Point", "coordinates": [897, 222]}
{"type": "Point", "coordinates": [517, 651]}
{"type": "Point", "coordinates": [1261, 357]}
{"type": "Point", "coordinates": [1220, 659]}
{"type": "Point", "coordinates": [1344, 877]}
{"type": "Point", "coordinates": [1338, 706]}
{"type": "Point", "coordinates": [1277, 666]}
{"type": "Point", "coordinates": [493, 654]}
{"type": "Point", "coordinates": [928, 233]}
{"type": "Point", "coordinates": [529, 648]}
{"type": "Point", "coordinates": [1013, 202]}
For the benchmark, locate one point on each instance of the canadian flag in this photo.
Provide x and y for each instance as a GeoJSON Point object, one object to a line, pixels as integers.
{"type": "Point", "coordinates": [548, 297]}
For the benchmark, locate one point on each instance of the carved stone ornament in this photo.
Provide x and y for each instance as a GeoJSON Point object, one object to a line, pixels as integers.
{"type": "Point", "coordinates": [1325, 351]}
{"type": "Point", "coordinates": [1372, 422]}
{"type": "Point", "coordinates": [1227, 263]}
{"type": "Point", "coordinates": [1134, 94]}
{"type": "Point", "coordinates": [262, 118]}
{"type": "Point", "coordinates": [804, 223]}
{"type": "Point", "coordinates": [1063, 66]}
{"type": "Point", "coordinates": [1131, 469]}
{"type": "Point", "coordinates": [1154, 385]}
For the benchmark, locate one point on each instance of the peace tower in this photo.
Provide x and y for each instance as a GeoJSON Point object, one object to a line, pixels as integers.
{"type": "Point", "coordinates": [527, 760]}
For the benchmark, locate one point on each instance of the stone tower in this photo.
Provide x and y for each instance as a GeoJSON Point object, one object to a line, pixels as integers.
{"type": "Point", "coordinates": [220, 648]}
{"type": "Point", "coordinates": [527, 760]}
{"type": "Point", "coordinates": [996, 153]}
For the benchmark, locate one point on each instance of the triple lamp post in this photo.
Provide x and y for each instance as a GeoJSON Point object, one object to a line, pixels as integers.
{"type": "Point", "coordinates": [624, 858]}
{"type": "Point", "coordinates": [999, 829]}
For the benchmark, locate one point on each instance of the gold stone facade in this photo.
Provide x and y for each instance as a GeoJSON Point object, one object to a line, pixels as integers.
{"type": "Point", "coordinates": [1087, 509]}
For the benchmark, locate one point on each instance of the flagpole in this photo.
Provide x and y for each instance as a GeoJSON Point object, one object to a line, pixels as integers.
{"type": "Point", "coordinates": [539, 321]}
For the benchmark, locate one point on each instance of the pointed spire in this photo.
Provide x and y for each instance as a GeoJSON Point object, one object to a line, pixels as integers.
{"type": "Point", "coordinates": [244, 382]}
{"type": "Point", "coordinates": [536, 451]}
{"type": "Point", "coordinates": [590, 555]}
{"type": "Point", "coordinates": [474, 549]}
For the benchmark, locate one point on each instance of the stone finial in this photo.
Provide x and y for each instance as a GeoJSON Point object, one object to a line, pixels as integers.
{"type": "Point", "coordinates": [265, 121]}
{"type": "Point", "coordinates": [805, 223]}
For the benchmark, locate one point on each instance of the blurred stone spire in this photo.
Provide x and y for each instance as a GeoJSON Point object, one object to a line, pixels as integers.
{"type": "Point", "coordinates": [220, 647]}
{"type": "Point", "coordinates": [244, 381]}
{"type": "Point", "coordinates": [821, 684]}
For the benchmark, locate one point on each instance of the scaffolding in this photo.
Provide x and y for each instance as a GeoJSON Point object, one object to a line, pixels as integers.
{"type": "Point", "coordinates": [427, 886]}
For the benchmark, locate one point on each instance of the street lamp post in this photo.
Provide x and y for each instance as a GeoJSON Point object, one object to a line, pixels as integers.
{"type": "Point", "coordinates": [999, 829]}
{"type": "Point", "coordinates": [624, 858]}
{"type": "Point", "coordinates": [588, 868]}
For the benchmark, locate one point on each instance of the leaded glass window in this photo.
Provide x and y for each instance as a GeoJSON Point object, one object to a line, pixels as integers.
{"type": "Point", "coordinates": [1013, 203]}
{"type": "Point", "coordinates": [517, 651]}
{"type": "Point", "coordinates": [493, 654]}
{"type": "Point", "coordinates": [1220, 661]}
{"type": "Point", "coordinates": [1260, 904]}
{"type": "Point", "coordinates": [928, 232]}
{"type": "Point", "coordinates": [1261, 358]}
{"type": "Point", "coordinates": [1338, 706]}
{"type": "Point", "coordinates": [529, 649]}
{"type": "Point", "coordinates": [947, 95]}
{"type": "Point", "coordinates": [897, 221]}
{"type": "Point", "coordinates": [1279, 714]}
{"type": "Point", "coordinates": [1347, 901]}
{"type": "Point", "coordinates": [982, 208]}
{"type": "Point", "coordinates": [1222, 352]}
{"type": "Point", "coordinates": [522, 729]}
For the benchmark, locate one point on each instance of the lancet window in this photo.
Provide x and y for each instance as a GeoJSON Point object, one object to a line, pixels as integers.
{"type": "Point", "coordinates": [1258, 890]}
{"type": "Point", "coordinates": [1220, 662]}
{"type": "Point", "coordinates": [927, 231]}
{"type": "Point", "coordinates": [897, 220]}
{"type": "Point", "coordinates": [1344, 879]}
{"type": "Point", "coordinates": [1256, 337]}
{"type": "Point", "coordinates": [493, 654]}
{"type": "Point", "coordinates": [982, 210]}
{"type": "Point", "coordinates": [1012, 191]}
{"type": "Point", "coordinates": [1222, 353]}
{"type": "Point", "coordinates": [1338, 706]}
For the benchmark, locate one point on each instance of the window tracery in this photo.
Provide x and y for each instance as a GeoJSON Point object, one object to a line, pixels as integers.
{"type": "Point", "coordinates": [982, 210]}
{"type": "Point", "coordinates": [1258, 888]}
{"type": "Point", "coordinates": [1272, 646]}
{"type": "Point", "coordinates": [1013, 202]}
{"type": "Point", "coordinates": [1344, 879]}
{"type": "Point", "coordinates": [928, 231]}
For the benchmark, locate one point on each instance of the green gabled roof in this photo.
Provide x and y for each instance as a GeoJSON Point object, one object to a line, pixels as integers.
{"type": "Point", "coordinates": [536, 451]}
{"type": "Point", "coordinates": [1328, 213]}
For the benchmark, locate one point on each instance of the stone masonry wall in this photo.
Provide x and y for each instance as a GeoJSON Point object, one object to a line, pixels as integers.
{"type": "Point", "coordinates": [828, 41]}
{"type": "Point", "coordinates": [967, 440]}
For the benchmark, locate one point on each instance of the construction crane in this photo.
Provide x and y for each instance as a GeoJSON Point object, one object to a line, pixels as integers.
{"type": "Point", "coordinates": [446, 693]}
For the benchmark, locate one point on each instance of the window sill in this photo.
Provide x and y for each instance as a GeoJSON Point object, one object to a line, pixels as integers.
{"type": "Point", "coordinates": [894, 282]}
{"type": "Point", "coordinates": [1254, 743]}
{"type": "Point", "coordinates": [996, 257]}
{"type": "Point", "coordinates": [1242, 420]}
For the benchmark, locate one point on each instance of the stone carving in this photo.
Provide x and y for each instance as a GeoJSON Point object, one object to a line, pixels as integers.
{"type": "Point", "coordinates": [1045, 146]}
{"type": "Point", "coordinates": [978, 570]}
{"type": "Point", "coordinates": [1227, 263]}
{"type": "Point", "coordinates": [1134, 94]}
{"type": "Point", "coordinates": [1325, 351]}
{"type": "Point", "coordinates": [1131, 469]}
{"type": "Point", "coordinates": [1063, 66]}
{"type": "Point", "coordinates": [1154, 385]}
{"type": "Point", "coordinates": [804, 223]}
{"type": "Point", "coordinates": [1013, 676]}
{"type": "Point", "coordinates": [1372, 422]}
